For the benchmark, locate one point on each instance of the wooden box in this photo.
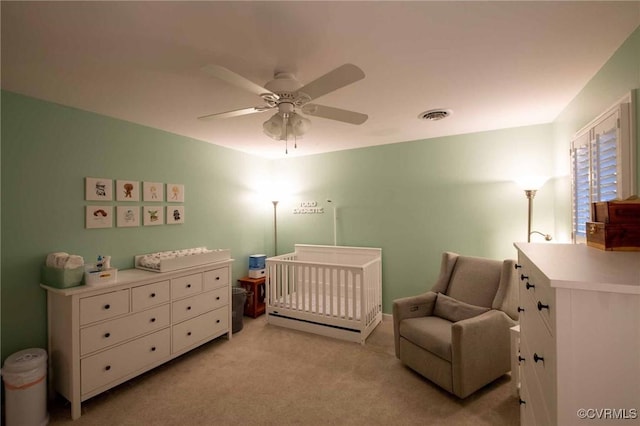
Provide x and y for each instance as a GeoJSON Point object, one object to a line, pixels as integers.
{"type": "Point", "coordinates": [616, 212]}
{"type": "Point", "coordinates": [613, 236]}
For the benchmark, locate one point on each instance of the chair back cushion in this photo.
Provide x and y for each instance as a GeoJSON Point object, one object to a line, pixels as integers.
{"type": "Point", "coordinates": [454, 310]}
{"type": "Point", "coordinates": [475, 280]}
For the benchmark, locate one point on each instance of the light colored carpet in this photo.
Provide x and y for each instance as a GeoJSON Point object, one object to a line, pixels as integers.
{"type": "Point", "coordinates": [267, 375]}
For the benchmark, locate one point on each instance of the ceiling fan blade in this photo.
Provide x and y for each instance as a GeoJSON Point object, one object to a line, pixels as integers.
{"type": "Point", "coordinates": [237, 80]}
{"type": "Point", "coordinates": [332, 113]}
{"type": "Point", "coordinates": [235, 113]}
{"type": "Point", "coordinates": [333, 80]}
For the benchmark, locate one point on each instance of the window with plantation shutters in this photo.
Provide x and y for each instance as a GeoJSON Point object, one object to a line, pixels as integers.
{"type": "Point", "coordinates": [602, 163]}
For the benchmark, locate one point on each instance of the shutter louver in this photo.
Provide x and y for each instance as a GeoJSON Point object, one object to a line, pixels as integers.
{"type": "Point", "coordinates": [607, 166]}
{"type": "Point", "coordinates": [582, 198]}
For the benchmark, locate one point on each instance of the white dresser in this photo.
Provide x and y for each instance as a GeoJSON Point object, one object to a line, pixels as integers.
{"type": "Point", "coordinates": [103, 335]}
{"type": "Point", "coordinates": [579, 335]}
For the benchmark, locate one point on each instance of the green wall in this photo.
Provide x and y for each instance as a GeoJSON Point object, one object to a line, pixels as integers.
{"type": "Point", "coordinates": [619, 76]}
{"type": "Point", "coordinates": [48, 150]}
{"type": "Point", "coordinates": [417, 199]}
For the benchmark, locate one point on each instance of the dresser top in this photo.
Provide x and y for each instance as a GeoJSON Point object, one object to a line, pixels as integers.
{"type": "Point", "coordinates": [130, 277]}
{"type": "Point", "coordinates": [580, 267]}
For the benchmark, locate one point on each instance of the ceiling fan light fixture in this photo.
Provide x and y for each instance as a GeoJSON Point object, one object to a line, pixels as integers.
{"type": "Point", "coordinates": [297, 126]}
{"type": "Point", "coordinates": [273, 127]}
{"type": "Point", "coordinates": [435, 114]}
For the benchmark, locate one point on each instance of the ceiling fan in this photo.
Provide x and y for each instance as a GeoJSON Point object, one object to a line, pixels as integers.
{"type": "Point", "coordinates": [288, 96]}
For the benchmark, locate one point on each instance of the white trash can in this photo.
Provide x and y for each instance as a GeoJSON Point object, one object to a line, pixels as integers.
{"type": "Point", "coordinates": [25, 383]}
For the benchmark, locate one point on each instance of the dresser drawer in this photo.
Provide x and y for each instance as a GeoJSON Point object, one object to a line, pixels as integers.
{"type": "Point", "coordinates": [535, 287]}
{"type": "Point", "coordinates": [146, 296]}
{"type": "Point", "coordinates": [199, 304]}
{"type": "Point", "coordinates": [216, 278]}
{"type": "Point", "coordinates": [198, 329]}
{"type": "Point", "coordinates": [526, 405]}
{"type": "Point", "coordinates": [108, 366]}
{"type": "Point", "coordinates": [104, 306]}
{"type": "Point", "coordinates": [112, 332]}
{"type": "Point", "coordinates": [540, 375]}
{"type": "Point", "coordinates": [186, 286]}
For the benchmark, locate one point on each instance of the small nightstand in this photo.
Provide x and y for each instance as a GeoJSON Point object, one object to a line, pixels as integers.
{"type": "Point", "coordinates": [254, 306]}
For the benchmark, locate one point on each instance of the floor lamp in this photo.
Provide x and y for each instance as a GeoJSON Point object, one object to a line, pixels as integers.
{"type": "Point", "coordinates": [531, 185]}
{"type": "Point", "coordinates": [275, 227]}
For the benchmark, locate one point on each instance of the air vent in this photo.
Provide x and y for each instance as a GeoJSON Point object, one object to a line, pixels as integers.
{"type": "Point", "coordinates": [435, 114]}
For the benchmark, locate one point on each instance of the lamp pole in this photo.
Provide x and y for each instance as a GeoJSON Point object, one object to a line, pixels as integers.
{"type": "Point", "coordinates": [275, 227]}
{"type": "Point", "coordinates": [530, 193]}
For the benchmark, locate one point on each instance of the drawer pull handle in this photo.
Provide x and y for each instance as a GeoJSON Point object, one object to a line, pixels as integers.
{"type": "Point", "coordinates": [218, 298]}
{"type": "Point", "coordinates": [188, 285]}
{"type": "Point", "coordinates": [520, 309]}
{"type": "Point", "coordinates": [516, 266]}
{"type": "Point", "coordinates": [522, 401]}
{"type": "Point", "coordinates": [520, 358]}
{"type": "Point", "coordinates": [188, 308]}
{"type": "Point", "coordinates": [107, 335]}
{"type": "Point", "coordinates": [153, 348]}
{"type": "Point", "coordinates": [107, 368]}
{"type": "Point", "coordinates": [217, 278]}
{"type": "Point", "coordinates": [530, 286]}
{"type": "Point", "coordinates": [153, 295]}
{"type": "Point", "coordinates": [153, 320]}
{"type": "Point", "coordinates": [188, 333]}
{"type": "Point", "coordinates": [542, 306]}
{"type": "Point", "coordinates": [107, 306]}
{"type": "Point", "coordinates": [537, 358]}
{"type": "Point", "coordinates": [523, 277]}
{"type": "Point", "coordinates": [217, 321]}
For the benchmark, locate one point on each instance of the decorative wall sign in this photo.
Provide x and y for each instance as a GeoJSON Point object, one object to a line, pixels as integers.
{"type": "Point", "coordinates": [175, 193]}
{"type": "Point", "coordinates": [127, 190]}
{"type": "Point", "coordinates": [98, 189]}
{"type": "Point", "coordinates": [308, 207]}
{"type": "Point", "coordinates": [153, 215]}
{"type": "Point", "coordinates": [98, 217]}
{"type": "Point", "coordinates": [153, 191]}
{"type": "Point", "coordinates": [128, 216]}
{"type": "Point", "coordinates": [175, 215]}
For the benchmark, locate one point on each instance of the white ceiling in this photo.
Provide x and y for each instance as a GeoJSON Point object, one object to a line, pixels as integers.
{"type": "Point", "coordinates": [495, 64]}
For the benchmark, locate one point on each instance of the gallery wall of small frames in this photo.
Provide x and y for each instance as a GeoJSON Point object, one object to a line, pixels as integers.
{"type": "Point", "coordinates": [146, 203]}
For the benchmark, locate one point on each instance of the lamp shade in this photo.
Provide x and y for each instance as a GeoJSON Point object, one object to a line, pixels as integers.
{"type": "Point", "coordinates": [296, 126]}
{"type": "Point", "coordinates": [531, 182]}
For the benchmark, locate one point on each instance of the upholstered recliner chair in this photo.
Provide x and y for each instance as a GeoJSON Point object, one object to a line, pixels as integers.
{"type": "Point", "coordinates": [457, 334]}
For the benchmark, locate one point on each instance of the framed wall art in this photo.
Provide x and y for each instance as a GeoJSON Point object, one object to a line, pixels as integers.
{"type": "Point", "coordinates": [153, 191]}
{"type": "Point", "coordinates": [175, 215]}
{"type": "Point", "coordinates": [98, 189]}
{"type": "Point", "coordinates": [175, 193]}
{"type": "Point", "coordinates": [127, 216]}
{"type": "Point", "coordinates": [127, 190]}
{"type": "Point", "coordinates": [153, 215]}
{"type": "Point", "coordinates": [98, 217]}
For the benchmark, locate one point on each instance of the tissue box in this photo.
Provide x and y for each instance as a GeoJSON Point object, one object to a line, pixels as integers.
{"type": "Point", "coordinates": [61, 278]}
{"type": "Point", "coordinates": [257, 261]}
{"type": "Point", "coordinates": [257, 273]}
{"type": "Point", "coordinates": [95, 277]}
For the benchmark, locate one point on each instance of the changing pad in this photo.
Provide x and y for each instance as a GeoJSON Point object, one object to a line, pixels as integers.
{"type": "Point", "coordinates": [164, 261]}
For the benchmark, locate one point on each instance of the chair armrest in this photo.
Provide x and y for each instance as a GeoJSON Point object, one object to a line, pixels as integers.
{"type": "Point", "coordinates": [411, 307]}
{"type": "Point", "coordinates": [480, 350]}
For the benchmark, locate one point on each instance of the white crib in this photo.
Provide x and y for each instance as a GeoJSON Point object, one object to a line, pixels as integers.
{"type": "Point", "coordinates": [329, 290]}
